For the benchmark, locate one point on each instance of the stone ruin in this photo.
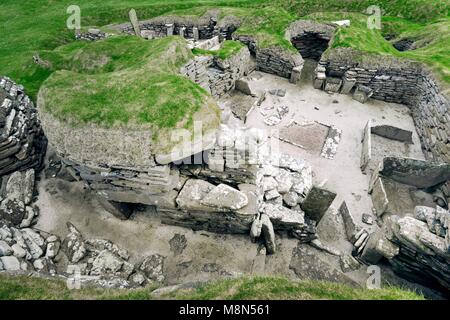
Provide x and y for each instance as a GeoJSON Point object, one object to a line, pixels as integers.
{"type": "Point", "coordinates": [234, 182]}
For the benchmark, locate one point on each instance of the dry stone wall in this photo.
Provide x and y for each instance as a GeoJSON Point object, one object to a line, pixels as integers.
{"type": "Point", "coordinates": [236, 183]}
{"type": "Point", "coordinates": [398, 81]}
{"type": "Point", "coordinates": [22, 143]}
{"type": "Point", "coordinates": [274, 60]}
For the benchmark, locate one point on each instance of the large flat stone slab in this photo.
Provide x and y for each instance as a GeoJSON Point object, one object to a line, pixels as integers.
{"type": "Point", "coordinates": [317, 203]}
{"type": "Point", "coordinates": [418, 173]}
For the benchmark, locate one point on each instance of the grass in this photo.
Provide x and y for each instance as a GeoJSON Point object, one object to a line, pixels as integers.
{"type": "Point", "coordinates": [119, 81]}
{"type": "Point", "coordinates": [227, 49]}
{"type": "Point", "coordinates": [262, 288]}
{"type": "Point", "coordinates": [433, 39]}
{"type": "Point", "coordinates": [38, 26]}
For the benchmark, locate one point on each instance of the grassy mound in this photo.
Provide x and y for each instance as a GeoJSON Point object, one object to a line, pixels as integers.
{"type": "Point", "coordinates": [227, 49]}
{"type": "Point", "coordinates": [263, 288]}
{"type": "Point", "coordinates": [121, 81]}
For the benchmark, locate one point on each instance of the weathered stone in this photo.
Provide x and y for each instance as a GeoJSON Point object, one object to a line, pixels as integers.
{"type": "Point", "coordinates": [350, 226]}
{"type": "Point", "coordinates": [348, 263]}
{"type": "Point", "coordinates": [268, 233]}
{"type": "Point", "coordinates": [134, 22]}
{"type": "Point", "coordinates": [366, 150]}
{"type": "Point", "coordinates": [291, 199]}
{"type": "Point", "coordinates": [393, 133]}
{"type": "Point", "coordinates": [153, 267]}
{"type": "Point", "coordinates": [362, 93]}
{"type": "Point", "coordinates": [73, 244]}
{"type": "Point", "coordinates": [225, 197]}
{"type": "Point", "coordinates": [317, 203]}
{"type": "Point", "coordinates": [5, 249]}
{"type": "Point", "coordinates": [243, 86]}
{"type": "Point", "coordinates": [10, 263]}
{"type": "Point", "coordinates": [106, 262]}
{"type": "Point", "coordinates": [379, 198]}
{"type": "Point", "coordinates": [418, 173]}
{"type": "Point", "coordinates": [178, 243]}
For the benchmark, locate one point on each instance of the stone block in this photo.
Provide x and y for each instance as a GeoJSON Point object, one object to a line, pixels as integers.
{"type": "Point", "coordinates": [317, 203]}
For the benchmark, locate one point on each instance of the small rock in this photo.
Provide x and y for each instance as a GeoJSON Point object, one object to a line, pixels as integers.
{"type": "Point", "coordinates": [281, 92]}
{"type": "Point", "coordinates": [18, 251]}
{"type": "Point", "coordinates": [10, 263]}
{"type": "Point", "coordinates": [5, 249]}
{"type": "Point", "coordinates": [367, 218]}
{"type": "Point", "coordinates": [291, 199]}
{"type": "Point", "coordinates": [138, 278]}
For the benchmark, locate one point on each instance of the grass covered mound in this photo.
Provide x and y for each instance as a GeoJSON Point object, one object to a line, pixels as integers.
{"type": "Point", "coordinates": [432, 39]}
{"type": "Point", "coordinates": [261, 288]}
{"type": "Point", "coordinates": [227, 49]}
{"type": "Point", "coordinates": [121, 81]}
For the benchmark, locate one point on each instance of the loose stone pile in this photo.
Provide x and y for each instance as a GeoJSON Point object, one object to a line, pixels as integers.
{"type": "Point", "coordinates": [22, 143]}
{"type": "Point", "coordinates": [102, 263]}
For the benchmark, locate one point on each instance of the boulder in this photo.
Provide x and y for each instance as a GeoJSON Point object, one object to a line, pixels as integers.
{"type": "Point", "coordinates": [106, 263]}
{"type": "Point", "coordinates": [73, 244]}
{"type": "Point", "coordinates": [418, 173]}
{"type": "Point", "coordinates": [5, 249]}
{"type": "Point", "coordinates": [317, 203]}
{"type": "Point", "coordinates": [153, 267]}
{"type": "Point", "coordinates": [268, 233]}
{"type": "Point", "coordinates": [225, 197]}
{"type": "Point", "coordinates": [10, 263]}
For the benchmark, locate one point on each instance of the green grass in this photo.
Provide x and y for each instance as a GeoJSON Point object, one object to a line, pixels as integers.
{"type": "Point", "coordinates": [121, 81]}
{"type": "Point", "coordinates": [263, 288]}
{"type": "Point", "coordinates": [38, 26]}
{"type": "Point", "coordinates": [227, 49]}
{"type": "Point", "coordinates": [433, 39]}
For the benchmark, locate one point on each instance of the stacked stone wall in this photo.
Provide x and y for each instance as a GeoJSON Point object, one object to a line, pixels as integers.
{"type": "Point", "coordinates": [404, 82]}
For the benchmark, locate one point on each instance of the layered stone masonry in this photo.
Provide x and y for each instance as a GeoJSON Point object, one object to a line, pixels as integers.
{"type": "Point", "coordinates": [218, 76]}
{"type": "Point", "coordinates": [22, 142]}
{"type": "Point", "coordinates": [91, 34]}
{"type": "Point", "coordinates": [274, 60]}
{"type": "Point", "coordinates": [226, 194]}
{"type": "Point", "coordinates": [310, 38]}
{"type": "Point", "coordinates": [392, 80]}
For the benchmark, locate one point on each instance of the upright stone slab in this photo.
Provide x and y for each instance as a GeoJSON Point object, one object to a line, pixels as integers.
{"type": "Point", "coordinates": [134, 22]}
{"type": "Point", "coordinates": [169, 29]}
{"type": "Point", "coordinates": [296, 74]}
{"type": "Point", "coordinates": [349, 223]}
{"type": "Point", "coordinates": [317, 203]}
{"type": "Point", "coordinates": [366, 150]}
{"type": "Point", "coordinates": [195, 33]}
{"type": "Point", "coordinates": [379, 198]}
{"type": "Point", "coordinates": [348, 82]}
{"type": "Point", "coordinates": [362, 93]}
{"type": "Point", "coordinates": [333, 84]}
{"type": "Point", "coordinates": [182, 31]}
